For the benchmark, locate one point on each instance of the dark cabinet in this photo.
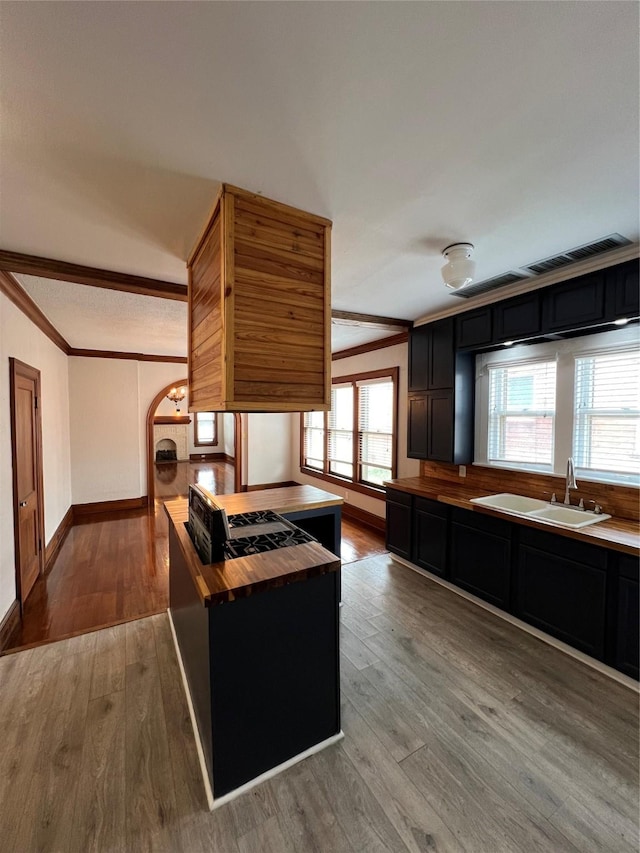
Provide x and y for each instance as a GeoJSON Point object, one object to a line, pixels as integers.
{"type": "Point", "coordinates": [562, 590]}
{"type": "Point", "coordinates": [627, 639]}
{"type": "Point", "coordinates": [574, 304]}
{"type": "Point", "coordinates": [481, 556]}
{"type": "Point", "coordinates": [518, 318]}
{"type": "Point", "coordinates": [440, 417]}
{"type": "Point", "coordinates": [430, 534]}
{"type": "Point", "coordinates": [417, 433]}
{"type": "Point", "coordinates": [474, 329]}
{"type": "Point", "coordinates": [399, 507]}
{"type": "Point", "coordinates": [626, 288]}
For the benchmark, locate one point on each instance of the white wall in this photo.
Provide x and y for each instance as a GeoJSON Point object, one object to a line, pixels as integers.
{"type": "Point", "coordinates": [395, 356]}
{"type": "Point", "coordinates": [21, 339]}
{"type": "Point", "coordinates": [268, 451]}
{"type": "Point", "coordinates": [228, 434]}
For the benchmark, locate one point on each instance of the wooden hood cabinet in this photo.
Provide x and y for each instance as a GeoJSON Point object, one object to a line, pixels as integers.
{"type": "Point", "coordinates": [260, 308]}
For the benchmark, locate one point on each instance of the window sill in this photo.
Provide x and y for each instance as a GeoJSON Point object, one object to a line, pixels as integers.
{"type": "Point", "coordinates": [370, 491]}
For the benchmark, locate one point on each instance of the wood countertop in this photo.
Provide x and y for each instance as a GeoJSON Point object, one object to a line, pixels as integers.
{"type": "Point", "coordinates": [229, 580]}
{"type": "Point", "coordinates": [619, 534]}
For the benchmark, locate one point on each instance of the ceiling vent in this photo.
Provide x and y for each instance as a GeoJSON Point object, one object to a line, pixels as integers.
{"type": "Point", "coordinates": [606, 244]}
{"type": "Point", "coordinates": [490, 284]}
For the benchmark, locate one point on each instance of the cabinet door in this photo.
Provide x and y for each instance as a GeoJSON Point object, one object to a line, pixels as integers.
{"type": "Point", "coordinates": [574, 304]}
{"type": "Point", "coordinates": [627, 289]}
{"type": "Point", "coordinates": [417, 427]}
{"type": "Point", "coordinates": [440, 426]}
{"type": "Point", "coordinates": [516, 319]}
{"type": "Point", "coordinates": [481, 563]}
{"type": "Point", "coordinates": [441, 355]}
{"type": "Point", "coordinates": [565, 598]}
{"type": "Point", "coordinates": [473, 328]}
{"type": "Point", "coordinates": [419, 346]}
{"type": "Point", "coordinates": [430, 523]}
{"type": "Point", "coordinates": [398, 518]}
{"type": "Point", "coordinates": [628, 638]}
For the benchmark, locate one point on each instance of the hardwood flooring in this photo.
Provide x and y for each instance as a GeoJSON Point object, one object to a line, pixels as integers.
{"type": "Point", "coordinates": [462, 733]}
{"type": "Point", "coordinates": [115, 567]}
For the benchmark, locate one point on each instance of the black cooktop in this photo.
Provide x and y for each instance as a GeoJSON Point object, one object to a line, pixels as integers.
{"type": "Point", "coordinates": [264, 530]}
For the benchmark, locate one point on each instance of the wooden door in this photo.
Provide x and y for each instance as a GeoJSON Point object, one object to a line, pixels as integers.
{"type": "Point", "coordinates": [26, 449]}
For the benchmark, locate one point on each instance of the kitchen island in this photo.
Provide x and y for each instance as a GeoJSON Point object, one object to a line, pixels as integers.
{"type": "Point", "coordinates": [257, 638]}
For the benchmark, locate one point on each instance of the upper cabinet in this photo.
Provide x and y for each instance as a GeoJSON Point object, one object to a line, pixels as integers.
{"type": "Point", "coordinates": [517, 318]}
{"type": "Point", "coordinates": [260, 308]}
{"type": "Point", "coordinates": [575, 304]}
{"type": "Point", "coordinates": [432, 356]}
{"type": "Point", "coordinates": [627, 290]}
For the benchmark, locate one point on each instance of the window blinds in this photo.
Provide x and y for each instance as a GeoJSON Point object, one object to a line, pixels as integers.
{"type": "Point", "coordinates": [375, 430]}
{"type": "Point", "coordinates": [606, 436]}
{"type": "Point", "coordinates": [522, 402]}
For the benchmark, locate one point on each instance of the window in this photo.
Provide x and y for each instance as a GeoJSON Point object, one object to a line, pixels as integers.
{"type": "Point", "coordinates": [354, 442]}
{"type": "Point", "coordinates": [606, 437]}
{"type": "Point", "coordinates": [537, 405]}
{"type": "Point", "coordinates": [204, 429]}
{"type": "Point", "coordinates": [522, 403]}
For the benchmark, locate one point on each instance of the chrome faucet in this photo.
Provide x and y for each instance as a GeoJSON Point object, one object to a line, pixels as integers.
{"type": "Point", "coordinates": [570, 481]}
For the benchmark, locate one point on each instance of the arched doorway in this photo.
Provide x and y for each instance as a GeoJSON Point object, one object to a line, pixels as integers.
{"type": "Point", "coordinates": [150, 443]}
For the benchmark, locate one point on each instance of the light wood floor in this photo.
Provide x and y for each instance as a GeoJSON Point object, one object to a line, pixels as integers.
{"type": "Point", "coordinates": [462, 733]}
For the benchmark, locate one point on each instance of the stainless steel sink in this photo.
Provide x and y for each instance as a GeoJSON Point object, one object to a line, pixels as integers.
{"type": "Point", "coordinates": [562, 516]}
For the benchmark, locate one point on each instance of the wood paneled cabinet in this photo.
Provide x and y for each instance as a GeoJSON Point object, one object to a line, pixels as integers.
{"type": "Point", "coordinates": [626, 287]}
{"type": "Point", "coordinates": [474, 329]}
{"type": "Point", "coordinates": [430, 535]}
{"type": "Point", "coordinates": [432, 356]}
{"type": "Point", "coordinates": [575, 304]}
{"type": "Point", "coordinates": [518, 318]}
{"type": "Point", "coordinates": [260, 308]}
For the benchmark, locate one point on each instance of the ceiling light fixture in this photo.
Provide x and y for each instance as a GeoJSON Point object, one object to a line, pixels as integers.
{"type": "Point", "coordinates": [460, 269]}
{"type": "Point", "coordinates": [176, 395]}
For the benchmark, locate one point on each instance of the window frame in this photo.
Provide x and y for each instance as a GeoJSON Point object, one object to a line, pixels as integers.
{"type": "Point", "coordinates": [355, 482]}
{"type": "Point", "coordinates": [197, 442]}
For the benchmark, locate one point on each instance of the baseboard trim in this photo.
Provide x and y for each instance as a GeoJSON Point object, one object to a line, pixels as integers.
{"type": "Point", "coordinates": [99, 507]}
{"type": "Point", "coordinates": [260, 486]}
{"type": "Point", "coordinates": [55, 543]}
{"type": "Point", "coordinates": [364, 517]}
{"type": "Point", "coordinates": [601, 667]}
{"type": "Point", "coordinates": [10, 624]}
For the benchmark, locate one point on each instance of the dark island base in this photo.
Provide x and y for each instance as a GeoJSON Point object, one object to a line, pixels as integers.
{"type": "Point", "coordinates": [262, 672]}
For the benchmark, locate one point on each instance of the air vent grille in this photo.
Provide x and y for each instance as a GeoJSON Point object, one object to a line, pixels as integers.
{"type": "Point", "coordinates": [490, 284]}
{"type": "Point", "coordinates": [606, 244]}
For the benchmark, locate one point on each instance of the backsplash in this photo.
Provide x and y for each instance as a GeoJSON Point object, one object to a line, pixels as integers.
{"type": "Point", "coordinates": [619, 501]}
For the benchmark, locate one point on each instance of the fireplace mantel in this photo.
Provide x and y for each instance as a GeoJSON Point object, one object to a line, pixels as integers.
{"type": "Point", "coordinates": [172, 419]}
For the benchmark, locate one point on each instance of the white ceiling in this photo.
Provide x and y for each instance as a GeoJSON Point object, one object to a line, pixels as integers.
{"type": "Point", "coordinates": [513, 125]}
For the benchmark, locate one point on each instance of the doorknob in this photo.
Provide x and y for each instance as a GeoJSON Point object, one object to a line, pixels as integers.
{"type": "Point", "coordinates": [23, 503]}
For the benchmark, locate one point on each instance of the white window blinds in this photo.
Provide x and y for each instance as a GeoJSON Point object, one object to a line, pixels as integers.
{"type": "Point", "coordinates": [522, 403]}
{"type": "Point", "coordinates": [606, 437]}
{"type": "Point", "coordinates": [341, 431]}
{"type": "Point", "coordinates": [375, 430]}
{"type": "Point", "coordinates": [313, 452]}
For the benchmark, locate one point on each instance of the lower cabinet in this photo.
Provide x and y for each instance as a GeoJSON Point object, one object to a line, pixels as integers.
{"type": "Point", "coordinates": [627, 640]}
{"type": "Point", "coordinates": [430, 533]}
{"type": "Point", "coordinates": [399, 507]}
{"type": "Point", "coordinates": [585, 595]}
{"type": "Point", "coordinates": [563, 590]}
{"type": "Point", "coordinates": [481, 556]}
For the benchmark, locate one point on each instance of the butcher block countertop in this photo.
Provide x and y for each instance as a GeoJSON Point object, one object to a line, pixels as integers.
{"type": "Point", "coordinates": [240, 577]}
{"type": "Point", "coordinates": [619, 534]}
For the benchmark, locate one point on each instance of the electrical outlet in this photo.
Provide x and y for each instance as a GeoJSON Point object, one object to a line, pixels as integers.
{"type": "Point", "coordinates": [462, 470]}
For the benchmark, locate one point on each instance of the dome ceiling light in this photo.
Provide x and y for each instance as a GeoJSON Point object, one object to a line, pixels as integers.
{"type": "Point", "coordinates": [459, 270]}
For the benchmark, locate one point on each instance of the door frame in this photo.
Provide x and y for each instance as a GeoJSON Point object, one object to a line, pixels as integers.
{"type": "Point", "coordinates": [19, 368]}
{"type": "Point", "coordinates": [237, 468]}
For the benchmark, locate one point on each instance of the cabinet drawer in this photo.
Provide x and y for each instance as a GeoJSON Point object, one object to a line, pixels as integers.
{"type": "Point", "coordinates": [434, 507]}
{"type": "Point", "coordinates": [553, 543]}
{"type": "Point", "coordinates": [399, 497]}
{"type": "Point", "coordinates": [480, 521]}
